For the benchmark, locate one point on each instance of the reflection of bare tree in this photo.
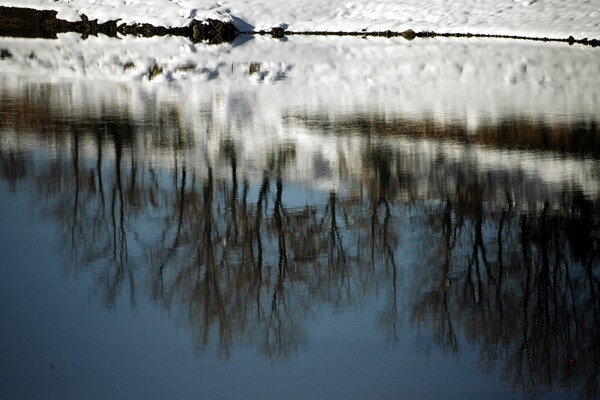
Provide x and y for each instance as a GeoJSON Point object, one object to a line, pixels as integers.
{"type": "Point", "coordinates": [236, 264]}
{"type": "Point", "coordinates": [235, 269]}
{"type": "Point", "coordinates": [384, 179]}
{"type": "Point", "coordinates": [227, 264]}
{"type": "Point", "coordinates": [13, 167]}
{"type": "Point", "coordinates": [497, 261]}
{"type": "Point", "coordinates": [102, 203]}
{"type": "Point", "coordinates": [531, 308]}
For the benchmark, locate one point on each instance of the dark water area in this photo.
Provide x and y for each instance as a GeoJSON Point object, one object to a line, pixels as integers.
{"type": "Point", "coordinates": [147, 255]}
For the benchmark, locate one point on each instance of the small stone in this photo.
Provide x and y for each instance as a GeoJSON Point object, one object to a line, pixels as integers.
{"type": "Point", "coordinates": [4, 53]}
{"type": "Point", "coordinates": [408, 34]}
{"type": "Point", "coordinates": [254, 68]}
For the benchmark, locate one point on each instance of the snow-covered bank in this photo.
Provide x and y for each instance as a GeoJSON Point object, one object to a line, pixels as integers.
{"type": "Point", "coordinates": [551, 18]}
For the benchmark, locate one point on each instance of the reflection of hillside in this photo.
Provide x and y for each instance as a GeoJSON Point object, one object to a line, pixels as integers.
{"type": "Point", "coordinates": [328, 148]}
{"type": "Point", "coordinates": [579, 137]}
{"type": "Point", "coordinates": [228, 240]}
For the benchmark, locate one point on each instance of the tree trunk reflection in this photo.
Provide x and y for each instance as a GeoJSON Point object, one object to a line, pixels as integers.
{"type": "Point", "coordinates": [247, 258]}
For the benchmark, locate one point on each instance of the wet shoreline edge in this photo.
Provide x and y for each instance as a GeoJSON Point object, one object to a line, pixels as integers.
{"type": "Point", "coordinates": [33, 23]}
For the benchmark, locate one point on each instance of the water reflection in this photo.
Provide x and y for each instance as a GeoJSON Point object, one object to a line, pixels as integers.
{"type": "Point", "coordinates": [490, 235]}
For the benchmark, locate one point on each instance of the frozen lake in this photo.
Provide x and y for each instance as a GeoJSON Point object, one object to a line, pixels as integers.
{"type": "Point", "coordinates": [315, 218]}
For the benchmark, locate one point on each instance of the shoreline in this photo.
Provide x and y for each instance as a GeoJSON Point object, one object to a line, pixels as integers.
{"type": "Point", "coordinates": [33, 23]}
{"type": "Point", "coordinates": [410, 35]}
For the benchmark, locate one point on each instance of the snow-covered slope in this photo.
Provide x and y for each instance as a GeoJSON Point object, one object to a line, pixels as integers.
{"type": "Point", "coordinates": [553, 18]}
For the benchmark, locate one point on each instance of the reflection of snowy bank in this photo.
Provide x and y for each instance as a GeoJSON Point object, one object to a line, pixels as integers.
{"type": "Point", "coordinates": [303, 134]}
{"type": "Point", "coordinates": [446, 78]}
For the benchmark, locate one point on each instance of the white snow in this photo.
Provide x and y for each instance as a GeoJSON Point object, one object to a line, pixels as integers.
{"type": "Point", "coordinates": [438, 76]}
{"type": "Point", "coordinates": [552, 18]}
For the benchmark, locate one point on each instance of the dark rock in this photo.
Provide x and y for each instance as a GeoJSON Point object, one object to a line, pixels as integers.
{"type": "Point", "coordinates": [109, 28]}
{"type": "Point", "coordinates": [408, 34]}
{"type": "Point", "coordinates": [27, 22]}
{"type": "Point", "coordinates": [213, 31]}
{"type": "Point", "coordinates": [86, 27]}
{"type": "Point", "coordinates": [425, 34]}
{"type": "Point", "coordinates": [277, 32]}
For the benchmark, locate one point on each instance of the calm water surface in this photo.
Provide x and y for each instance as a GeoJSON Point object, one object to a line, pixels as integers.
{"type": "Point", "coordinates": [153, 250]}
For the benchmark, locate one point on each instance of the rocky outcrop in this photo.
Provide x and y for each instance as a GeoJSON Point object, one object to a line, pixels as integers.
{"type": "Point", "coordinates": [28, 23]}
{"type": "Point", "coordinates": [31, 23]}
{"type": "Point", "coordinates": [213, 31]}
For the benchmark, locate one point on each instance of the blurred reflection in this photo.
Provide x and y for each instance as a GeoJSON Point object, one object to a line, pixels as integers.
{"type": "Point", "coordinates": [245, 255]}
{"type": "Point", "coordinates": [519, 286]}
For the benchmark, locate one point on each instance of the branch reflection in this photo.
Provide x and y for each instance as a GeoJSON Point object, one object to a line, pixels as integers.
{"type": "Point", "coordinates": [490, 255]}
